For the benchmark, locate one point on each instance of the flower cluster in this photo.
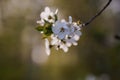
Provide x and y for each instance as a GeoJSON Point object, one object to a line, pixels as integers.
{"type": "Point", "coordinates": [60, 34]}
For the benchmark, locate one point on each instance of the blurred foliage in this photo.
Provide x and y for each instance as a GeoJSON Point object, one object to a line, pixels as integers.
{"type": "Point", "coordinates": [97, 53]}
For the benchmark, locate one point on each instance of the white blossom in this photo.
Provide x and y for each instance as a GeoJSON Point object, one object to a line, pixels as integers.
{"type": "Point", "coordinates": [48, 15]}
{"type": "Point", "coordinates": [58, 43]}
{"type": "Point", "coordinates": [60, 29]}
{"type": "Point", "coordinates": [63, 34]}
{"type": "Point", "coordinates": [74, 34]}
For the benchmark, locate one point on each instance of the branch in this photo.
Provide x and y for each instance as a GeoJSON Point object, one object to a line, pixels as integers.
{"type": "Point", "coordinates": [117, 37]}
{"type": "Point", "coordinates": [98, 14]}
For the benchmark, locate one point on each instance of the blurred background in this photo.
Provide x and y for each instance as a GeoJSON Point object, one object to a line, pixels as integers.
{"type": "Point", "coordinates": [22, 53]}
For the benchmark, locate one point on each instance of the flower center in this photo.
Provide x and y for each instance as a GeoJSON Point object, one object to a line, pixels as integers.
{"type": "Point", "coordinates": [62, 30]}
{"type": "Point", "coordinates": [49, 17]}
{"type": "Point", "coordinates": [69, 37]}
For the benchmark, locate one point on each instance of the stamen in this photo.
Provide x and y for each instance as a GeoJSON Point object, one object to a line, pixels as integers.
{"type": "Point", "coordinates": [62, 30]}
{"type": "Point", "coordinates": [49, 17]}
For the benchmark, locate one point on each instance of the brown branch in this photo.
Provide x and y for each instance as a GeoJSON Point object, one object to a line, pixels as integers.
{"type": "Point", "coordinates": [98, 14]}
{"type": "Point", "coordinates": [117, 37]}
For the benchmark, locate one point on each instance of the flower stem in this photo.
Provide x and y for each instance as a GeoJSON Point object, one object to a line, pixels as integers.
{"type": "Point", "coordinates": [98, 14]}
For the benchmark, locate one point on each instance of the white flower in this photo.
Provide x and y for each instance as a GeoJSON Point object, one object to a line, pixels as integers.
{"type": "Point", "coordinates": [63, 34]}
{"type": "Point", "coordinates": [60, 29]}
{"type": "Point", "coordinates": [77, 33]}
{"type": "Point", "coordinates": [58, 43]}
{"type": "Point", "coordinates": [48, 15]}
{"type": "Point", "coordinates": [73, 25]}
{"type": "Point", "coordinates": [74, 34]}
{"type": "Point", "coordinates": [47, 45]}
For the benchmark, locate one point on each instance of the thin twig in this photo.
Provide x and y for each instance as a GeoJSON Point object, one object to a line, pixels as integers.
{"type": "Point", "coordinates": [117, 37]}
{"type": "Point", "coordinates": [98, 14]}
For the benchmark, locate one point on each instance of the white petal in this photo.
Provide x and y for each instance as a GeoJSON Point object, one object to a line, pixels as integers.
{"type": "Point", "coordinates": [76, 37]}
{"type": "Point", "coordinates": [52, 36]}
{"type": "Point", "coordinates": [51, 21]}
{"type": "Point", "coordinates": [56, 47]}
{"type": "Point", "coordinates": [56, 12]}
{"type": "Point", "coordinates": [75, 43]}
{"type": "Point", "coordinates": [55, 30]}
{"type": "Point", "coordinates": [76, 26]}
{"type": "Point", "coordinates": [41, 22]}
{"type": "Point", "coordinates": [47, 10]}
{"type": "Point", "coordinates": [70, 19]}
{"type": "Point", "coordinates": [70, 40]}
{"type": "Point", "coordinates": [54, 41]}
{"type": "Point", "coordinates": [43, 15]}
{"type": "Point", "coordinates": [47, 46]}
{"type": "Point", "coordinates": [68, 44]}
{"type": "Point", "coordinates": [48, 51]}
{"type": "Point", "coordinates": [71, 30]}
{"type": "Point", "coordinates": [63, 20]}
{"type": "Point", "coordinates": [64, 47]}
{"type": "Point", "coordinates": [38, 22]}
{"type": "Point", "coordinates": [61, 35]}
{"type": "Point", "coordinates": [51, 14]}
{"type": "Point", "coordinates": [78, 33]}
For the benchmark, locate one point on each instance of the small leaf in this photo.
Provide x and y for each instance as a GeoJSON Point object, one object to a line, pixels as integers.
{"type": "Point", "coordinates": [46, 21]}
{"type": "Point", "coordinates": [48, 25]}
{"type": "Point", "coordinates": [39, 28]}
{"type": "Point", "coordinates": [47, 31]}
{"type": "Point", "coordinates": [56, 18]}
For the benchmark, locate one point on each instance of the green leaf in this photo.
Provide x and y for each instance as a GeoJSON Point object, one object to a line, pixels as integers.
{"type": "Point", "coordinates": [40, 28]}
{"type": "Point", "coordinates": [47, 28]}
{"type": "Point", "coordinates": [46, 21]}
{"type": "Point", "coordinates": [56, 18]}
{"type": "Point", "coordinates": [48, 31]}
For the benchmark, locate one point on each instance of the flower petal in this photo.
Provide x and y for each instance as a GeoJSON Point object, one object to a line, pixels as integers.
{"type": "Point", "coordinates": [55, 30]}
{"type": "Point", "coordinates": [64, 47]}
{"type": "Point", "coordinates": [70, 19]}
{"type": "Point", "coordinates": [41, 22]}
{"type": "Point", "coordinates": [75, 43]}
{"type": "Point", "coordinates": [47, 46]}
{"type": "Point", "coordinates": [61, 35]}
{"type": "Point", "coordinates": [56, 12]}
{"type": "Point", "coordinates": [47, 10]}
{"type": "Point", "coordinates": [76, 37]}
{"type": "Point", "coordinates": [68, 44]}
{"type": "Point", "coordinates": [43, 15]}
{"type": "Point", "coordinates": [78, 33]}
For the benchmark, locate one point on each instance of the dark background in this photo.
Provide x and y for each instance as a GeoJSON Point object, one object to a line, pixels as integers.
{"type": "Point", "coordinates": [22, 53]}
